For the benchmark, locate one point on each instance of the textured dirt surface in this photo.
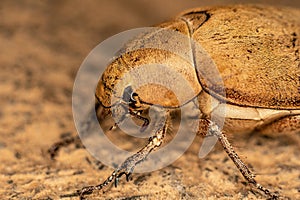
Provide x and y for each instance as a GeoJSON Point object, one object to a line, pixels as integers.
{"type": "Point", "coordinates": [42, 46]}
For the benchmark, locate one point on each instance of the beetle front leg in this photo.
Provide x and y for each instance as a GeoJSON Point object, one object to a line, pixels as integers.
{"type": "Point", "coordinates": [127, 167]}
{"type": "Point", "coordinates": [123, 111]}
{"type": "Point", "coordinates": [248, 175]}
{"type": "Point", "coordinates": [138, 116]}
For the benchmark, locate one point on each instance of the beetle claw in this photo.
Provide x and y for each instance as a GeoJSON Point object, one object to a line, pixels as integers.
{"type": "Point", "coordinates": [128, 176]}
{"type": "Point", "coordinates": [116, 181]}
{"type": "Point", "coordinates": [119, 175]}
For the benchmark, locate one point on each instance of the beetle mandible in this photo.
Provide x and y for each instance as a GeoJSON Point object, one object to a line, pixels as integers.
{"type": "Point", "coordinates": [256, 50]}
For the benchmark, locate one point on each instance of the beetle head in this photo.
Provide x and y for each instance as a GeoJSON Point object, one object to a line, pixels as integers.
{"type": "Point", "coordinates": [148, 77]}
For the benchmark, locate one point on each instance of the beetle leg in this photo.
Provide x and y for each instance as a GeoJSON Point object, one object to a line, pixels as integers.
{"type": "Point", "coordinates": [66, 141]}
{"type": "Point", "coordinates": [63, 143]}
{"type": "Point", "coordinates": [127, 167]}
{"type": "Point", "coordinates": [134, 114]}
{"type": "Point", "coordinates": [138, 116]}
{"type": "Point", "coordinates": [248, 175]}
{"type": "Point", "coordinates": [287, 124]}
{"type": "Point", "coordinates": [124, 111]}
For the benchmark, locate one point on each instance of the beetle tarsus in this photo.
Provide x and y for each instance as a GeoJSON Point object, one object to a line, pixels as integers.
{"type": "Point", "coordinates": [272, 195]}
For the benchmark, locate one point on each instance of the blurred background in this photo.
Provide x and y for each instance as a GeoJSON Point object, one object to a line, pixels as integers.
{"type": "Point", "coordinates": [42, 44]}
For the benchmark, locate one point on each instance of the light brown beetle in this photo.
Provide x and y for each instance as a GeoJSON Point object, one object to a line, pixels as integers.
{"type": "Point", "coordinates": [256, 50]}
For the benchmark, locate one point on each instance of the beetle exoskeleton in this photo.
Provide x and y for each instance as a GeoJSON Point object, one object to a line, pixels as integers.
{"type": "Point", "coordinates": [256, 51]}
{"type": "Point", "coordinates": [255, 86]}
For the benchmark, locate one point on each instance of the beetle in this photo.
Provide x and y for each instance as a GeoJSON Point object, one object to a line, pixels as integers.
{"type": "Point", "coordinates": [256, 50]}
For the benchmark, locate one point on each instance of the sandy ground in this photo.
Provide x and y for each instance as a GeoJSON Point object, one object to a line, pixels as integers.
{"type": "Point", "coordinates": [42, 46]}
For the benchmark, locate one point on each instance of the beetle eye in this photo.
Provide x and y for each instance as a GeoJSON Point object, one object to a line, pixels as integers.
{"type": "Point", "coordinates": [133, 97]}
{"type": "Point", "coordinates": [128, 94]}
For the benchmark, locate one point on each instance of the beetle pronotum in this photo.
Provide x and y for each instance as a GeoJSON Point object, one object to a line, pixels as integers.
{"type": "Point", "coordinates": [256, 50]}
